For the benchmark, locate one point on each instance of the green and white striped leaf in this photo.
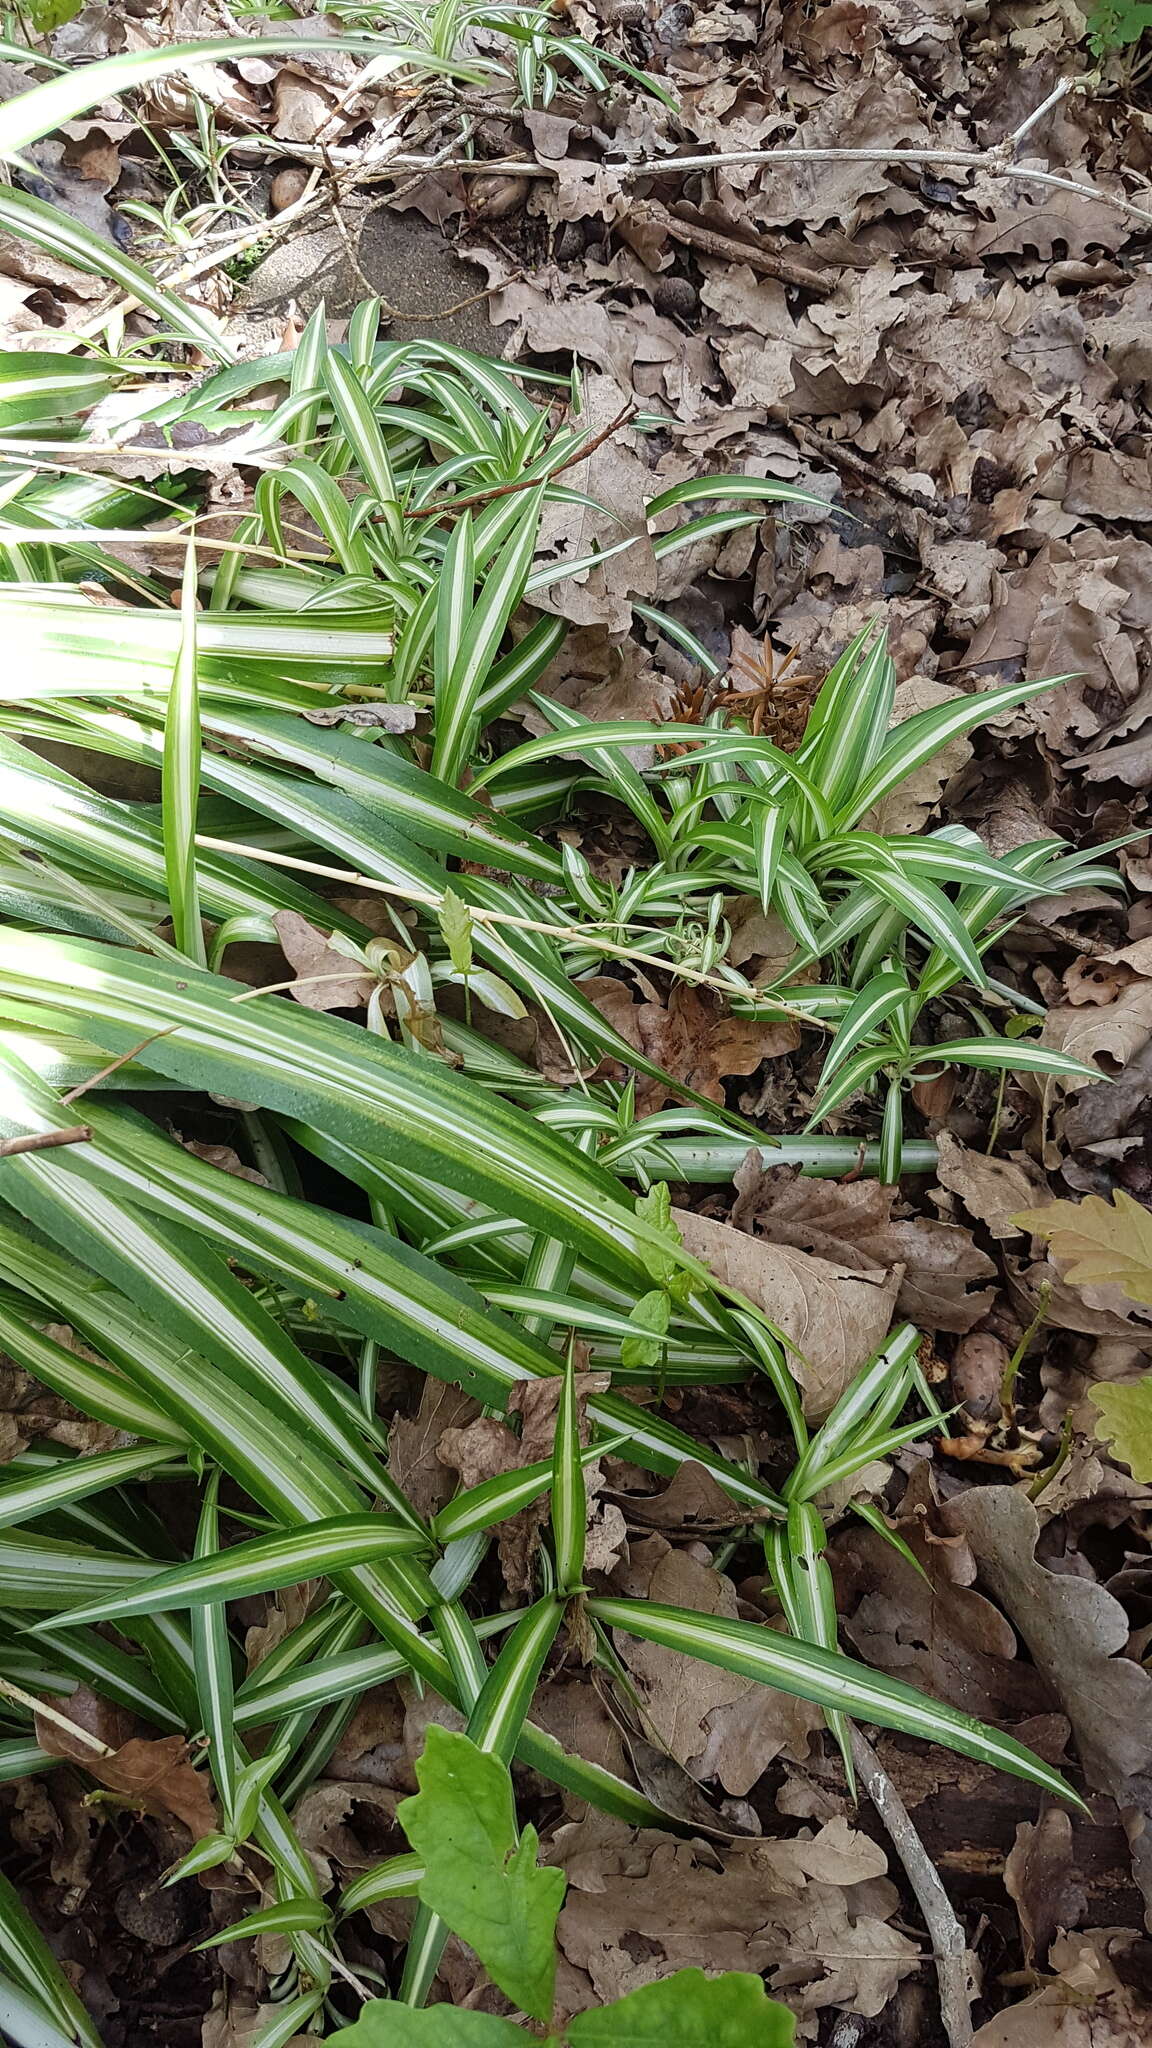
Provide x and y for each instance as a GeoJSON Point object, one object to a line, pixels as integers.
{"type": "Point", "coordinates": [1018, 1055]}
{"type": "Point", "coordinates": [29, 1962]}
{"type": "Point", "coordinates": [831, 1681]}
{"type": "Point", "coordinates": [25, 1499]}
{"type": "Point", "coordinates": [569, 1494]}
{"type": "Point", "coordinates": [918, 738]}
{"type": "Point", "coordinates": [261, 1566]}
{"type": "Point", "coordinates": [181, 788]}
{"type": "Point", "coordinates": [288, 1916]}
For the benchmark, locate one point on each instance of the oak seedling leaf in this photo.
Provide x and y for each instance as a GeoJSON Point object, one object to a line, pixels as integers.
{"type": "Point", "coordinates": [1099, 1243]}
{"type": "Point", "coordinates": [1125, 1410]}
{"type": "Point", "coordinates": [478, 1877]}
{"type": "Point", "coordinates": [386, 2024]}
{"type": "Point", "coordinates": [686, 2011]}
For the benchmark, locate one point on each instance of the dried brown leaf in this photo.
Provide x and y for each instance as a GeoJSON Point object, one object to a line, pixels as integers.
{"type": "Point", "coordinates": [1075, 1631]}
{"type": "Point", "coordinates": [328, 980]}
{"type": "Point", "coordinates": [153, 1775]}
{"type": "Point", "coordinates": [853, 1225]}
{"type": "Point", "coordinates": [835, 1318]}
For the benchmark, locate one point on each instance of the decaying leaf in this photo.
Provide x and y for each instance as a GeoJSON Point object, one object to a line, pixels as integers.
{"type": "Point", "coordinates": [715, 1724]}
{"type": "Point", "coordinates": [1040, 1875]}
{"type": "Point", "coordinates": [853, 1225]}
{"type": "Point", "coordinates": [326, 979]}
{"type": "Point", "coordinates": [1093, 2002]}
{"type": "Point", "coordinates": [833, 1317]}
{"type": "Point", "coordinates": [150, 1774]}
{"type": "Point", "coordinates": [1075, 1631]}
{"type": "Point", "coordinates": [640, 1906]}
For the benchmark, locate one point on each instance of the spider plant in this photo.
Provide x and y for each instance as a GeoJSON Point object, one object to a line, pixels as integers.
{"type": "Point", "coordinates": [431, 475]}
{"type": "Point", "coordinates": [512, 45]}
{"type": "Point", "coordinates": [231, 1329]}
{"type": "Point", "coordinates": [889, 922]}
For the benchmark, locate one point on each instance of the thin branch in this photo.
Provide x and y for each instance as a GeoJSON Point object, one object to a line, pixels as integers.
{"type": "Point", "coordinates": [732, 249]}
{"type": "Point", "coordinates": [948, 1945]}
{"type": "Point", "coordinates": [586, 934]}
{"type": "Point", "coordinates": [1058, 93]}
{"type": "Point", "coordinates": [523, 483]}
{"type": "Point", "coordinates": [997, 161]}
{"type": "Point", "coordinates": [44, 1141]}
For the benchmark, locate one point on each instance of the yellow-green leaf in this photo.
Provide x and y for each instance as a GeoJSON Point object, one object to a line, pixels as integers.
{"type": "Point", "coordinates": [1126, 1419]}
{"type": "Point", "coordinates": [1099, 1243]}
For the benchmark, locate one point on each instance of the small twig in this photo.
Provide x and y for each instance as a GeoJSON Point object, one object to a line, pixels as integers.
{"type": "Point", "coordinates": [948, 1945]}
{"type": "Point", "coordinates": [489, 291]}
{"type": "Point", "coordinates": [586, 934]}
{"type": "Point", "coordinates": [1058, 93]}
{"type": "Point", "coordinates": [523, 483]}
{"type": "Point", "coordinates": [997, 161]}
{"type": "Point", "coordinates": [44, 1141]}
{"type": "Point", "coordinates": [847, 458]}
{"type": "Point", "coordinates": [345, 233]}
{"type": "Point", "coordinates": [731, 249]}
{"type": "Point", "coordinates": [47, 1713]}
{"type": "Point", "coordinates": [114, 1066]}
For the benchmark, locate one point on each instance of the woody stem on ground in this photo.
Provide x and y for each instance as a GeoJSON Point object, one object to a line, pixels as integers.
{"type": "Point", "coordinates": [1012, 1369]}
{"type": "Point", "coordinates": [524, 483]}
{"type": "Point", "coordinates": [997, 161]}
{"type": "Point", "coordinates": [949, 1948]}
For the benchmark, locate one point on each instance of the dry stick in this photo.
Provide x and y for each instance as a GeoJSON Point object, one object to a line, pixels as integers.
{"type": "Point", "coordinates": [587, 934]}
{"type": "Point", "coordinates": [948, 1944]}
{"type": "Point", "coordinates": [997, 161]}
{"type": "Point", "coordinates": [524, 483]}
{"type": "Point", "coordinates": [838, 454]}
{"type": "Point", "coordinates": [47, 1713]}
{"type": "Point", "coordinates": [44, 1141]}
{"type": "Point", "coordinates": [711, 242]}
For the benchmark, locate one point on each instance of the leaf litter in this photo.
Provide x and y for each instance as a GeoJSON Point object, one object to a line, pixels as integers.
{"type": "Point", "coordinates": [957, 364]}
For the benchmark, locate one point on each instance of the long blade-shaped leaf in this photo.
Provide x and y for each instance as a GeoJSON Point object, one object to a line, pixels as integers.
{"type": "Point", "coordinates": [832, 1681]}
{"type": "Point", "coordinates": [261, 1566]}
{"type": "Point", "coordinates": [374, 1094]}
{"type": "Point", "coordinates": [181, 789]}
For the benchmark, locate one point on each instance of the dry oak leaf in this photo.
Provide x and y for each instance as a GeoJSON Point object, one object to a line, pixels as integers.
{"type": "Point", "coordinates": [1074, 1630]}
{"type": "Point", "coordinates": [344, 986]}
{"type": "Point", "coordinates": [617, 482]}
{"type": "Point", "coordinates": [854, 1225]}
{"type": "Point", "coordinates": [487, 1448]}
{"type": "Point", "coordinates": [414, 1440]}
{"type": "Point", "coordinates": [931, 1628]}
{"type": "Point", "coordinates": [994, 1191]}
{"type": "Point", "coordinates": [1088, 2006]}
{"type": "Point", "coordinates": [835, 1318]}
{"type": "Point", "coordinates": [864, 305]}
{"type": "Point", "coordinates": [1099, 1243]}
{"type": "Point", "coordinates": [153, 1775]}
{"type": "Point", "coordinates": [640, 1907]}
{"type": "Point", "coordinates": [694, 1039]}
{"type": "Point", "coordinates": [713, 1722]}
{"type": "Point", "coordinates": [1118, 1029]}
{"type": "Point", "coordinates": [1040, 1876]}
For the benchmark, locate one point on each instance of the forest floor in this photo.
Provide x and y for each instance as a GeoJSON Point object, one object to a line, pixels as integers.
{"type": "Point", "coordinates": [956, 358]}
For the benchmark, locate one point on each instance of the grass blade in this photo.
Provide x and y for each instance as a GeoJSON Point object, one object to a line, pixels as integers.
{"type": "Point", "coordinates": [838, 1682]}
{"type": "Point", "coordinates": [181, 784]}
